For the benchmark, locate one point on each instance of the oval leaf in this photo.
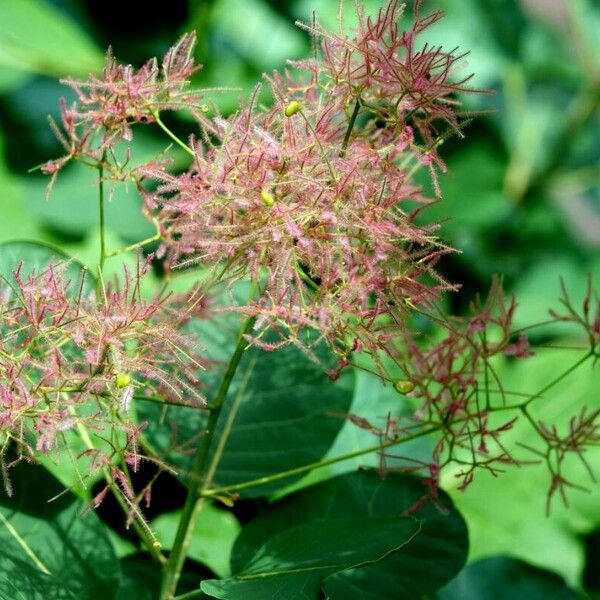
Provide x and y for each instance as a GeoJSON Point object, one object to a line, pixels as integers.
{"type": "Point", "coordinates": [36, 256]}
{"type": "Point", "coordinates": [430, 560]}
{"type": "Point", "coordinates": [293, 563]}
{"type": "Point", "coordinates": [49, 549]}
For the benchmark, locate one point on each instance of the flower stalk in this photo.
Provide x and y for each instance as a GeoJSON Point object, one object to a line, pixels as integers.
{"type": "Point", "coordinates": [198, 478]}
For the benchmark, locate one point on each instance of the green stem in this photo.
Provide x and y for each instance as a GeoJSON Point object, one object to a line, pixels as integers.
{"type": "Point", "coordinates": [101, 215]}
{"type": "Point", "coordinates": [315, 465]}
{"type": "Point", "coordinates": [177, 140]}
{"type": "Point", "coordinates": [304, 276]}
{"type": "Point", "coordinates": [194, 500]}
{"type": "Point", "coordinates": [558, 379]}
{"type": "Point", "coordinates": [331, 461]}
{"type": "Point", "coordinates": [155, 399]}
{"type": "Point", "coordinates": [139, 525]}
{"type": "Point", "coordinates": [350, 128]}
{"type": "Point", "coordinates": [141, 244]}
{"type": "Point", "coordinates": [227, 427]}
{"type": "Point", "coordinates": [323, 153]}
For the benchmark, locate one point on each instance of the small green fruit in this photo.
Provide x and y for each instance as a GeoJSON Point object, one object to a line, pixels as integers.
{"type": "Point", "coordinates": [267, 198]}
{"type": "Point", "coordinates": [292, 108]}
{"type": "Point", "coordinates": [404, 386]}
{"type": "Point", "coordinates": [122, 380]}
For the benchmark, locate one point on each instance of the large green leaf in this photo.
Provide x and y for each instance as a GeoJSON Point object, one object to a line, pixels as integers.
{"type": "Point", "coordinates": [213, 539]}
{"type": "Point", "coordinates": [431, 558]}
{"type": "Point", "coordinates": [50, 550]}
{"type": "Point", "coordinates": [293, 563]}
{"type": "Point", "coordinates": [289, 411]}
{"type": "Point", "coordinates": [36, 37]}
{"type": "Point", "coordinates": [374, 401]}
{"type": "Point", "coordinates": [35, 256]}
{"type": "Point", "coordinates": [505, 578]}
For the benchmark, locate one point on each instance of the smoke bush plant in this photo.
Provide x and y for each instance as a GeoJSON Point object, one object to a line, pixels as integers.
{"type": "Point", "coordinates": [313, 201]}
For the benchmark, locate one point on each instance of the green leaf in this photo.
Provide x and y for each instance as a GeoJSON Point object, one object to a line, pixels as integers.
{"type": "Point", "coordinates": [374, 401]}
{"type": "Point", "coordinates": [293, 563]}
{"type": "Point", "coordinates": [213, 538]}
{"type": "Point", "coordinates": [289, 411]}
{"type": "Point", "coordinates": [430, 560]}
{"type": "Point", "coordinates": [505, 578]}
{"type": "Point", "coordinates": [50, 550]}
{"type": "Point", "coordinates": [37, 37]}
{"type": "Point", "coordinates": [35, 256]}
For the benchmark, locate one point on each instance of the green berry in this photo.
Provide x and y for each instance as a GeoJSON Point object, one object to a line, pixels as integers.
{"type": "Point", "coordinates": [267, 198]}
{"type": "Point", "coordinates": [404, 386]}
{"type": "Point", "coordinates": [122, 380]}
{"type": "Point", "coordinates": [292, 108]}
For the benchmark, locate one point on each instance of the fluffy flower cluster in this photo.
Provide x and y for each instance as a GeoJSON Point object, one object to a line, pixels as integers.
{"type": "Point", "coordinates": [314, 197]}
{"type": "Point", "coordinates": [388, 72]}
{"type": "Point", "coordinates": [70, 358]}
{"type": "Point", "coordinates": [107, 106]}
{"type": "Point", "coordinates": [315, 200]}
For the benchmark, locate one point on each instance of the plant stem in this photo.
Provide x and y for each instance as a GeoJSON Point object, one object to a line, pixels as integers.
{"type": "Point", "coordinates": [558, 379]}
{"type": "Point", "coordinates": [141, 528]}
{"type": "Point", "coordinates": [323, 153]}
{"type": "Point", "coordinates": [140, 244]}
{"type": "Point", "coordinates": [177, 140]}
{"type": "Point", "coordinates": [101, 215]}
{"type": "Point", "coordinates": [321, 463]}
{"type": "Point", "coordinates": [194, 500]}
{"type": "Point", "coordinates": [227, 427]}
{"type": "Point", "coordinates": [350, 128]}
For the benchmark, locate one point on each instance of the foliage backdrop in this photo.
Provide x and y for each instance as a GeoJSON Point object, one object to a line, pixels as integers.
{"type": "Point", "coordinates": [522, 198]}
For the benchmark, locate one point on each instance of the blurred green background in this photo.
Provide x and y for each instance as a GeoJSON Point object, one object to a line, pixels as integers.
{"type": "Point", "coordinates": [522, 197]}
